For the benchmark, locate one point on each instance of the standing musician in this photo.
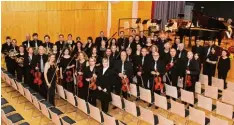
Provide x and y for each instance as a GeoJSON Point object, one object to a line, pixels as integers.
{"type": "Point", "coordinates": [60, 43]}
{"type": "Point", "coordinates": [81, 64]}
{"type": "Point", "coordinates": [125, 71]}
{"type": "Point", "coordinates": [55, 51]}
{"type": "Point", "coordinates": [122, 41]}
{"type": "Point", "coordinates": [89, 80]}
{"type": "Point", "coordinates": [28, 66]}
{"type": "Point", "coordinates": [35, 42]}
{"type": "Point", "coordinates": [181, 53]}
{"type": "Point", "coordinates": [39, 66]}
{"type": "Point", "coordinates": [6, 47]}
{"type": "Point", "coordinates": [88, 46]}
{"type": "Point", "coordinates": [165, 53]}
{"type": "Point", "coordinates": [114, 53]}
{"type": "Point", "coordinates": [102, 49]}
{"type": "Point", "coordinates": [172, 68]}
{"type": "Point", "coordinates": [109, 58]}
{"type": "Point", "coordinates": [148, 44]}
{"type": "Point", "coordinates": [129, 55]}
{"type": "Point", "coordinates": [131, 44]}
{"type": "Point", "coordinates": [142, 39]}
{"type": "Point", "coordinates": [47, 45]}
{"type": "Point", "coordinates": [104, 79]}
{"type": "Point", "coordinates": [70, 43]}
{"type": "Point", "coordinates": [207, 51]}
{"type": "Point", "coordinates": [211, 61]}
{"type": "Point", "coordinates": [50, 78]}
{"type": "Point", "coordinates": [12, 62]}
{"type": "Point", "coordinates": [197, 48]}
{"type": "Point", "coordinates": [99, 39]}
{"type": "Point", "coordinates": [113, 42]}
{"type": "Point", "coordinates": [78, 48]}
{"type": "Point", "coordinates": [27, 43]}
{"type": "Point", "coordinates": [20, 64]}
{"type": "Point", "coordinates": [95, 55]}
{"type": "Point", "coordinates": [192, 71]}
{"type": "Point", "coordinates": [67, 64]}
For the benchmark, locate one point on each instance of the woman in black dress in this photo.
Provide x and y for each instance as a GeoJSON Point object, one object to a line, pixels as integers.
{"type": "Point", "coordinates": [50, 78]}
{"type": "Point", "coordinates": [197, 58]}
{"type": "Point", "coordinates": [78, 48]}
{"type": "Point", "coordinates": [89, 45]}
{"type": "Point", "coordinates": [20, 62]}
{"type": "Point", "coordinates": [102, 49]}
{"type": "Point", "coordinates": [95, 55]}
{"type": "Point", "coordinates": [70, 42]}
{"type": "Point", "coordinates": [113, 43]}
{"type": "Point", "coordinates": [89, 74]}
{"type": "Point", "coordinates": [67, 64]}
{"type": "Point", "coordinates": [224, 66]}
{"type": "Point", "coordinates": [211, 64]}
{"type": "Point", "coordinates": [81, 64]}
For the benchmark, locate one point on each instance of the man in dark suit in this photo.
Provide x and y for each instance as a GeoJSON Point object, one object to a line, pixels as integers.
{"type": "Point", "coordinates": [124, 70]}
{"type": "Point", "coordinates": [35, 42]}
{"type": "Point", "coordinates": [105, 77]}
{"type": "Point", "coordinates": [207, 51]}
{"type": "Point", "coordinates": [99, 39]}
{"type": "Point", "coordinates": [27, 43]}
{"type": "Point", "coordinates": [109, 58]}
{"type": "Point", "coordinates": [12, 61]}
{"type": "Point", "coordinates": [142, 39]}
{"type": "Point", "coordinates": [6, 47]}
{"type": "Point", "coordinates": [60, 43]}
{"type": "Point", "coordinates": [122, 41]}
{"type": "Point", "coordinates": [38, 65]}
{"type": "Point", "coordinates": [131, 44]}
{"type": "Point", "coordinates": [47, 43]}
{"type": "Point", "coordinates": [197, 48]}
{"type": "Point", "coordinates": [181, 53]}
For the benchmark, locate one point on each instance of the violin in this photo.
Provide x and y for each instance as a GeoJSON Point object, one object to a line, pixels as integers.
{"type": "Point", "coordinates": [188, 81]}
{"type": "Point", "coordinates": [37, 77]}
{"type": "Point", "coordinates": [79, 79]}
{"type": "Point", "coordinates": [158, 83]}
{"type": "Point", "coordinates": [125, 84]}
{"type": "Point", "coordinates": [69, 76]}
{"type": "Point", "coordinates": [169, 66]}
{"type": "Point", "coordinates": [92, 84]}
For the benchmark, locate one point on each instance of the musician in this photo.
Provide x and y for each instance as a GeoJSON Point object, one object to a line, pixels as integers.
{"type": "Point", "coordinates": [133, 33]}
{"type": "Point", "coordinates": [6, 47]}
{"type": "Point", "coordinates": [153, 49]}
{"type": "Point", "coordinates": [109, 58]}
{"type": "Point", "coordinates": [224, 66]}
{"type": "Point", "coordinates": [104, 79]}
{"type": "Point", "coordinates": [176, 43]}
{"type": "Point", "coordinates": [47, 44]}
{"type": "Point", "coordinates": [99, 39]}
{"type": "Point", "coordinates": [114, 53]}
{"type": "Point", "coordinates": [131, 44]}
{"type": "Point", "coordinates": [142, 68]}
{"type": "Point", "coordinates": [172, 67]}
{"type": "Point", "coordinates": [39, 65]}
{"type": "Point", "coordinates": [95, 55]}
{"type": "Point", "coordinates": [55, 51]}
{"type": "Point", "coordinates": [137, 40]}
{"type": "Point", "coordinates": [81, 64]}
{"type": "Point", "coordinates": [27, 43]}
{"type": "Point", "coordinates": [60, 43]}
{"type": "Point", "coordinates": [35, 42]}
{"type": "Point", "coordinates": [20, 66]}
{"type": "Point", "coordinates": [122, 41]}
{"type": "Point", "coordinates": [138, 51]}
{"type": "Point", "coordinates": [70, 43]}
{"type": "Point", "coordinates": [12, 61]}
{"type": "Point", "coordinates": [197, 58]}
{"type": "Point", "coordinates": [181, 53]}
{"type": "Point", "coordinates": [29, 58]}
{"type": "Point", "coordinates": [124, 70]}
{"type": "Point", "coordinates": [207, 51]}
{"type": "Point", "coordinates": [67, 64]}
{"type": "Point", "coordinates": [89, 76]}
{"type": "Point", "coordinates": [148, 43]}
{"type": "Point", "coordinates": [165, 54]}
{"type": "Point", "coordinates": [197, 48]}
{"type": "Point", "coordinates": [129, 55]}
{"type": "Point", "coordinates": [113, 42]}
{"type": "Point", "coordinates": [50, 78]}
{"type": "Point", "coordinates": [191, 70]}
{"type": "Point", "coordinates": [89, 45]}
{"type": "Point", "coordinates": [78, 48]}
{"type": "Point", "coordinates": [157, 69]}
{"type": "Point", "coordinates": [142, 39]}
{"type": "Point", "coordinates": [210, 64]}
{"type": "Point", "coordinates": [102, 48]}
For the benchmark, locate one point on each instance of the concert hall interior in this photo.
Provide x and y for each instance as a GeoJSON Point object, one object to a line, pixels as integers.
{"type": "Point", "coordinates": [117, 62]}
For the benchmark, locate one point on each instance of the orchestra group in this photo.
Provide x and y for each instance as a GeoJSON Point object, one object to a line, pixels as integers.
{"type": "Point", "coordinates": [93, 69]}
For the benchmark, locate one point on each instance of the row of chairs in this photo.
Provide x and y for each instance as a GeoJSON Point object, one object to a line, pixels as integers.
{"type": "Point", "coordinates": [9, 115]}
{"type": "Point", "coordinates": [87, 108]}
{"type": "Point", "coordinates": [47, 109]}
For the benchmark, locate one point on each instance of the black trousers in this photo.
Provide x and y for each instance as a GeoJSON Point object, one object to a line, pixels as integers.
{"type": "Point", "coordinates": [51, 95]}
{"type": "Point", "coordinates": [105, 106]}
{"type": "Point", "coordinates": [92, 97]}
{"type": "Point", "coordinates": [223, 75]}
{"type": "Point", "coordinates": [20, 73]}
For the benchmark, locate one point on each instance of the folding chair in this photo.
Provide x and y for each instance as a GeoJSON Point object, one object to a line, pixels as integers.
{"type": "Point", "coordinates": [205, 103]}
{"type": "Point", "coordinates": [4, 117]}
{"type": "Point", "coordinates": [227, 96]}
{"type": "Point", "coordinates": [44, 108]}
{"type": "Point", "coordinates": [109, 120]}
{"type": "Point", "coordinates": [203, 79]}
{"type": "Point", "coordinates": [219, 83]}
{"type": "Point", "coordinates": [131, 108]}
{"type": "Point", "coordinates": [171, 91]}
{"type": "Point", "coordinates": [217, 121]}
{"type": "Point", "coordinates": [95, 113]}
{"type": "Point", "coordinates": [147, 116]}
{"type": "Point", "coordinates": [212, 92]}
{"type": "Point", "coordinates": [179, 109]}
{"type": "Point", "coordinates": [133, 90]}
{"type": "Point", "coordinates": [224, 109]}
{"type": "Point", "coordinates": [145, 94]}
{"type": "Point", "coordinates": [28, 94]}
{"type": "Point", "coordinates": [61, 93]}
{"type": "Point", "coordinates": [83, 106]}
{"type": "Point", "coordinates": [161, 102]}
{"type": "Point", "coordinates": [117, 101]}
{"type": "Point", "coordinates": [230, 86]}
{"type": "Point", "coordinates": [187, 96]}
{"type": "Point", "coordinates": [21, 88]}
{"type": "Point", "coordinates": [67, 121]}
{"type": "Point", "coordinates": [55, 115]}
{"type": "Point", "coordinates": [164, 121]}
{"type": "Point", "coordinates": [36, 99]}
{"type": "Point", "coordinates": [198, 116]}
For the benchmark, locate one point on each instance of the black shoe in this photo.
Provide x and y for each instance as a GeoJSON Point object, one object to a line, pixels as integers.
{"type": "Point", "coordinates": [114, 107]}
{"type": "Point", "coordinates": [149, 105]}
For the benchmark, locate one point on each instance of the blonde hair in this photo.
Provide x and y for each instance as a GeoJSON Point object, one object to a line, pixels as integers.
{"type": "Point", "coordinates": [84, 54]}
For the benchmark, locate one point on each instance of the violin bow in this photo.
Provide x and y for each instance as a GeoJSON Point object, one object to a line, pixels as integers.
{"type": "Point", "coordinates": [69, 62]}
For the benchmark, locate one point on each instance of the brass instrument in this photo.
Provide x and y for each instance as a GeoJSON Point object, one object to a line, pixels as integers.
{"type": "Point", "coordinates": [13, 53]}
{"type": "Point", "coordinates": [48, 51]}
{"type": "Point", "coordinates": [20, 61]}
{"type": "Point", "coordinates": [35, 50]}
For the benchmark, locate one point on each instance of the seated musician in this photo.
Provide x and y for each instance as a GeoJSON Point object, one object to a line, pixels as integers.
{"type": "Point", "coordinates": [125, 71]}
{"type": "Point", "coordinates": [191, 72]}
{"type": "Point", "coordinates": [105, 77]}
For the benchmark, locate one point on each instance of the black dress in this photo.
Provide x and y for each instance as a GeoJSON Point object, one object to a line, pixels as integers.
{"type": "Point", "coordinates": [68, 85]}
{"type": "Point", "coordinates": [223, 68]}
{"type": "Point", "coordinates": [82, 91]}
{"type": "Point", "coordinates": [210, 68]}
{"type": "Point", "coordinates": [51, 90]}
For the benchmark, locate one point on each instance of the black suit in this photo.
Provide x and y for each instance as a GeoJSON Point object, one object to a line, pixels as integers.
{"type": "Point", "coordinates": [173, 72]}
{"type": "Point", "coordinates": [160, 67]}
{"type": "Point", "coordinates": [116, 55]}
{"type": "Point", "coordinates": [98, 41]}
{"type": "Point", "coordinates": [39, 43]}
{"type": "Point", "coordinates": [28, 66]}
{"type": "Point", "coordinates": [122, 43]}
{"type": "Point", "coordinates": [5, 49]}
{"type": "Point", "coordinates": [182, 54]}
{"type": "Point", "coordinates": [59, 45]}
{"type": "Point", "coordinates": [199, 50]}
{"type": "Point", "coordinates": [132, 46]}
{"type": "Point", "coordinates": [26, 42]}
{"type": "Point", "coordinates": [128, 70]}
{"type": "Point", "coordinates": [48, 44]}
{"type": "Point", "coordinates": [104, 81]}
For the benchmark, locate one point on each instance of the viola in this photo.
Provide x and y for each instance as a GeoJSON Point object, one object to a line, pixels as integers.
{"type": "Point", "coordinates": [37, 77]}
{"type": "Point", "coordinates": [125, 84]}
{"type": "Point", "coordinates": [158, 83]}
{"type": "Point", "coordinates": [92, 84]}
{"type": "Point", "coordinates": [69, 76]}
{"type": "Point", "coordinates": [188, 80]}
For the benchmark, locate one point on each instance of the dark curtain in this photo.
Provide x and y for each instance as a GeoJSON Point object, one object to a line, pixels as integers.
{"type": "Point", "coordinates": [166, 10]}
